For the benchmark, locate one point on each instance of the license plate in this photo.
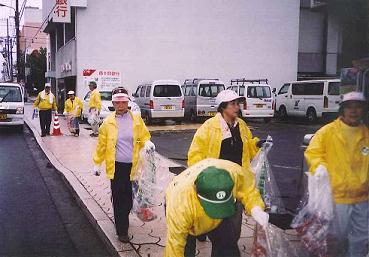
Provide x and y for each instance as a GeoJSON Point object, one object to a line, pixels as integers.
{"type": "Point", "coordinates": [3, 116]}
{"type": "Point", "coordinates": [212, 113]}
{"type": "Point", "coordinates": [168, 107]}
{"type": "Point", "coordinates": [259, 105]}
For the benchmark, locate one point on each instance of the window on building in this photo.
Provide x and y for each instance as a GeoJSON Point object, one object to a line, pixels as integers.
{"type": "Point", "coordinates": [59, 35]}
{"type": "Point", "coordinates": [70, 28]}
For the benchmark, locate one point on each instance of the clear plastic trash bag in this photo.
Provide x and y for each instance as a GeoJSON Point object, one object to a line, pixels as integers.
{"type": "Point", "coordinates": [265, 181]}
{"type": "Point", "coordinates": [93, 118]}
{"type": "Point", "coordinates": [273, 242]}
{"type": "Point", "coordinates": [315, 222]}
{"type": "Point", "coordinates": [145, 186]}
{"type": "Point", "coordinates": [72, 123]}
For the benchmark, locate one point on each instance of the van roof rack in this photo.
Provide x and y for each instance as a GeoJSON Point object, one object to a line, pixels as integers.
{"type": "Point", "coordinates": [252, 81]}
{"type": "Point", "coordinates": [196, 80]}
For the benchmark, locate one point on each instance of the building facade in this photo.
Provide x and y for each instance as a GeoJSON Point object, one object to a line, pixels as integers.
{"type": "Point", "coordinates": [148, 40]}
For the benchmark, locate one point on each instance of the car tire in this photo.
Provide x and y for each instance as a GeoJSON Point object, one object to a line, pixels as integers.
{"type": "Point", "coordinates": [283, 112]}
{"type": "Point", "coordinates": [267, 120]}
{"type": "Point", "coordinates": [311, 115]}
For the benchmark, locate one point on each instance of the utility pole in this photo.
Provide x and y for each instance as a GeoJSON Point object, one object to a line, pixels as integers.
{"type": "Point", "coordinates": [17, 38]}
{"type": "Point", "coordinates": [8, 52]}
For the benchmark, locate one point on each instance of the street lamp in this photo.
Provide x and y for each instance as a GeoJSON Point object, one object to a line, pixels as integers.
{"type": "Point", "coordinates": [16, 11]}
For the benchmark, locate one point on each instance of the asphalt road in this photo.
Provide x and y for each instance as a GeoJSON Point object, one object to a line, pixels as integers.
{"type": "Point", "coordinates": [286, 156]}
{"type": "Point", "coordinates": [38, 215]}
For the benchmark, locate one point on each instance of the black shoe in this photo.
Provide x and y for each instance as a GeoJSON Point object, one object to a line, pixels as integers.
{"type": "Point", "coordinates": [43, 135]}
{"type": "Point", "coordinates": [48, 133]}
{"type": "Point", "coordinates": [124, 238]}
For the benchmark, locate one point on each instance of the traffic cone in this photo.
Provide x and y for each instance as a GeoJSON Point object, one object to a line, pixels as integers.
{"type": "Point", "coordinates": [56, 127]}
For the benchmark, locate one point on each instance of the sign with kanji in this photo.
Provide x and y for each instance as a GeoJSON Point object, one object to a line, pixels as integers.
{"type": "Point", "coordinates": [106, 80]}
{"type": "Point", "coordinates": [61, 12]}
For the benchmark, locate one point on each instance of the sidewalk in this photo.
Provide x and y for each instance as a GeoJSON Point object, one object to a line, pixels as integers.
{"type": "Point", "coordinates": [73, 158]}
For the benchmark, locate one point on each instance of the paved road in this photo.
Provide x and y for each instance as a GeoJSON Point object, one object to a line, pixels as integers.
{"type": "Point", "coordinates": [38, 215]}
{"type": "Point", "coordinates": [286, 156]}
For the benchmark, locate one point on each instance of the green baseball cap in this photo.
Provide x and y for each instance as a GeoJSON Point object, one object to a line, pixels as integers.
{"type": "Point", "coordinates": [214, 190]}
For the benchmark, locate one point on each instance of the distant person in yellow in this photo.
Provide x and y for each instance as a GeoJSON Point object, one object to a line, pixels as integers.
{"type": "Point", "coordinates": [45, 103]}
{"type": "Point", "coordinates": [340, 150]}
{"type": "Point", "coordinates": [73, 109]}
{"type": "Point", "coordinates": [201, 200]}
{"type": "Point", "coordinates": [94, 109]}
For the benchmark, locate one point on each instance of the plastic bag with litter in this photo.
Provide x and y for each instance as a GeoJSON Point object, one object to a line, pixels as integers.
{"type": "Point", "coordinates": [315, 221]}
{"type": "Point", "coordinates": [273, 242]}
{"type": "Point", "coordinates": [72, 123]}
{"type": "Point", "coordinates": [93, 118]}
{"type": "Point", "coordinates": [145, 186]}
{"type": "Point", "coordinates": [265, 180]}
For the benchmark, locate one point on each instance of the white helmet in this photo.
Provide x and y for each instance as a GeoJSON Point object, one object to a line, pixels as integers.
{"type": "Point", "coordinates": [353, 96]}
{"type": "Point", "coordinates": [226, 96]}
{"type": "Point", "coordinates": [71, 92]}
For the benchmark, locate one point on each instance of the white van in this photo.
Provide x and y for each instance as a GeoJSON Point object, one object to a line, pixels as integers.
{"type": "Point", "coordinates": [11, 105]}
{"type": "Point", "coordinates": [259, 99]}
{"type": "Point", "coordinates": [200, 97]}
{"type": "Point", "coordinates": [161, 99]}
{"type": "Point", "coordinates": [312, 99]}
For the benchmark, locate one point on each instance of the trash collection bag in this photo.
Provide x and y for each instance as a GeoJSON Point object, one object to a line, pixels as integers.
{"type": "Point", "coordinates": [35, 114]}
{"type": "Point", "coordinates": [315, 221]}
{"type": "Point", "coordinates": [265, 180]}
{"type": "Point", "coordinates": [94, 118]}
{"type": "Point", "coordinates": [145, 187]}
{"type": "Point", "coordinates": [273, 242]}
{"type": "Point", "coordinates": [72, 123]}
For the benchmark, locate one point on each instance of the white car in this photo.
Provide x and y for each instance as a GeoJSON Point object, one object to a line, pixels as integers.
{"type": "Point", "coordinates": [11, 105]}
{"type": "Point", "coordinates": [107, 105]}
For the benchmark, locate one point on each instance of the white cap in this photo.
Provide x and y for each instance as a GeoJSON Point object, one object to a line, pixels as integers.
{"type": "Point", "coordinates": [120, 97]}
{"type": "Point", "coordinates": [47, 85]}
{"type": "Point", "coordinates": [71, 92]}
{"type": "Point", "coordinates": [227, 96]}
{"type": "Point", "coordinates": [353, 96]}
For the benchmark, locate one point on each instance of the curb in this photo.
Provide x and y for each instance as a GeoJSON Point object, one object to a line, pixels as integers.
{"type": "Point", "coordinates": [95, 215]}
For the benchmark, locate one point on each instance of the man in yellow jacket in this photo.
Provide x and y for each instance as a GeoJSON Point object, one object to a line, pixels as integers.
{"type": "Point", "coordinates": [73, 109]}
{"type": "Point", "coordinates": [46, 103]}
{"type": "Point", "coordinates": [201, 200]}
{"type": "Point", "coordinates": [121, 138]}
{"type": "Point", "coordinates": [340, 150]}
{"type": "Point", "coordinates": [94, 109]}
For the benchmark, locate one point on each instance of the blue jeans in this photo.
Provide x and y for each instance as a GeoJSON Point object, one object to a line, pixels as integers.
{"type": "Point", "coordinates": [352, 221]}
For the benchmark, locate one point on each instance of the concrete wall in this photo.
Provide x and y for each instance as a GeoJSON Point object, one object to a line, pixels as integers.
{"type": "Point", "coordinates": [152, 39]}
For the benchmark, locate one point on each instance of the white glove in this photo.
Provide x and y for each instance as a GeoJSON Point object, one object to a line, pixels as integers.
{"type": "Point", "coordinates": [321, 172]}
{"type": "Point", "coordinates": [149, 146]}
{"type": "Point", "coordinates": [260, 216]}
{"type": "Point", "coordinates": [97, 170]}
{"type": "Point", "coordinates": [65, 113]}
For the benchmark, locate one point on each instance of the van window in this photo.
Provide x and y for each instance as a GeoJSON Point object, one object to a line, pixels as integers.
{"type": "Point", "coordinates": [242, 90]}
{"type": "Point", "coordinates": [138, 91]}
{"type": "Point", "coordinates": [10, 94]}
{"type": "Point", "coordinates": [193, 91]}
{"type": "Point", "coordinates": [106, 96]}
{"type": "Point", "coordinates": [284, 89]}
{"type": "Point", "coordinates": [167, 91]}
{"type": "Point", "coordinates": [148, 91]}
{"type": "Point", "coordinates": [210, 90]}
{"type": "Point", "coordinates": [308, 89]}
{"type": "Point", "coordinates": [187, 90]}
{"type": "Point", "coordinates": [142, 93]}
{"type": "Point", "coordinates": [334, 88]}
{"type": "Point", "coordinates": [258, 92]}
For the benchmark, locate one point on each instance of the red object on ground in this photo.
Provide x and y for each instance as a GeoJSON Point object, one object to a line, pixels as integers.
{"type": "Point", "coordinates": [145, 214]}
{"type": "Point", "coordinates": [56, 127]}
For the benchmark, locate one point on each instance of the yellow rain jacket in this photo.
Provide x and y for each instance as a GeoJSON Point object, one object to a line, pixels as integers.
{"type": "Point", "coordinates": [74, 107]}
{"type": "Point", "coordinates": [184, 212]}
{"type": "Point", "coordinates": [44, 104]}
{"type": "Point", "coordinates": [208, 141]}
{"type": "Point", "coordinates": [348, 169]}
{"type": "Point", "coordinates": [95, 100]}
{"type": "Point", "coordinates": [108, 135]}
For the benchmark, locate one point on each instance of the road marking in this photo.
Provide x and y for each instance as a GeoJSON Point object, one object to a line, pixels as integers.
{"type": "Point", "coordinates": [287, 167]}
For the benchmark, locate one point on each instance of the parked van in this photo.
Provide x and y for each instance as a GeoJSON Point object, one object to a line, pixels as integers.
{"type": "Point", "coordinates": [200, 97]}
{"type": "Point", "coordinates": [259, 99]}
{"type": "Point", "coordinates": [11, 105]}
{"type": "Point", "coordinates": [312, 99]}
{"type": "Point", "coordinates": [161, 99]}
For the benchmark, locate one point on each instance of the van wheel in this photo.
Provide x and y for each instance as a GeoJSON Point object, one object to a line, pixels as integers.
{"type": "Point", "coordinates": [311, 115]}
{"type": "Point", "coordinates": [283, 112]}
{"type": "Point", "coordinates": [267, 120]}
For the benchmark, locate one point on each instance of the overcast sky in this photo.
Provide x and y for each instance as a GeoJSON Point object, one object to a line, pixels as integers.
{"type": "Point", "coordinates": [6, 12]}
